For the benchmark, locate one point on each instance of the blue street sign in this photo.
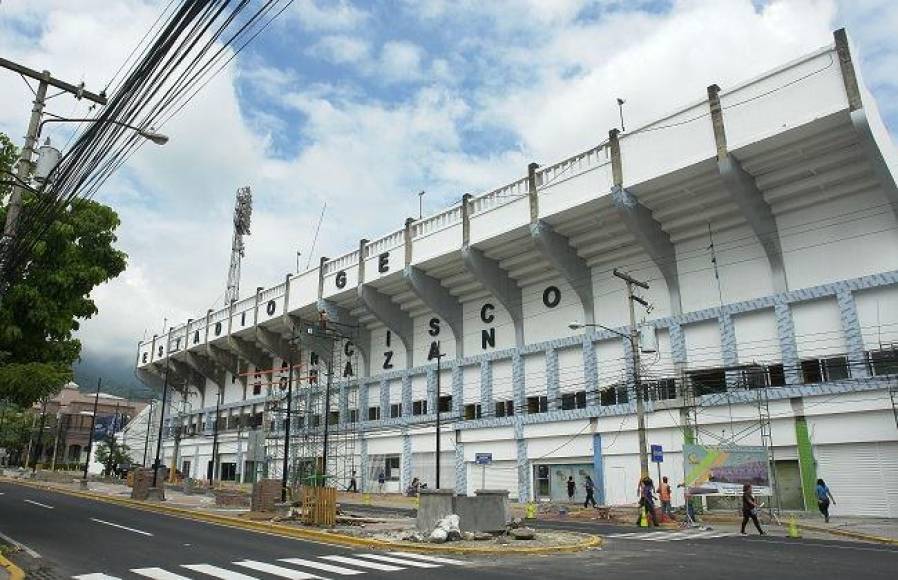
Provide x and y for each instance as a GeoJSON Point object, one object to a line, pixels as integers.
{"type": "Point", "coordinates": [483, 458]}
{"type": "Point", "coordinates": [657, 454]}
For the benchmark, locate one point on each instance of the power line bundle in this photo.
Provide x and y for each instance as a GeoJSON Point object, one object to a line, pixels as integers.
{"type": "Point", "coordinates": [193, 43]}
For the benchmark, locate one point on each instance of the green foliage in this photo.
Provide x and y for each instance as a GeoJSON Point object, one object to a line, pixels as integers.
{"type": "Point", "coordinates": [15, 427]}
{"type": "Point", "coordinates": [8, 156]}
{"type": "Point", "coordinates": [41, 310]}
{"type": "Point", "coordinates": [24, 383]}
{"type": "Point", "coordinates": [111, 453]}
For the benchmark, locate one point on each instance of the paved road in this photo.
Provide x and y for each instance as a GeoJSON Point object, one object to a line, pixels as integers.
{"type": "Point", "coordinates": [80, 539]}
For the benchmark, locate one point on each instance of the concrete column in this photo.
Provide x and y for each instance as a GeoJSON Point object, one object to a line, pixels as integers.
{"type": "Point", "coordinates": [590, 373]}
{"type": "Point", "coordinates": [406, 396]}
{"type": "Point", "coordinates": [518, 383]}
{"type": "Point", "coordinates": [806, 463]}
{"type": "Point", "coordinates": [851, 330]}
{"type": "Point", "coordinates": [785, 329]}
{"type": "Point", "coordinates": [461, 468]}
{"type": "Point", "coordinates": [432, 391]}
{"type": "Point", "coordinates": [728, 348]}
{"type": "Point", "coordinates": [598, 468]}
{"type": "Point", "coordinates": [363, 463]}
{"type": "Point", "coordinates": [344, 402]}
{"type": "Point", "coordinates": [407, 463]}
{"type": "Point", "coordinates": [487, 405]}
{"type": "Point", "coordinates": [363, 401]}
{"type": "Point", "coordinates": [522, 461]}
{"type": "Point", "coordinates": [554, 402]}
{"type": "Point", "coordinates": [384, 399]}
{"type": "Point", "coordinates": [457, 390]}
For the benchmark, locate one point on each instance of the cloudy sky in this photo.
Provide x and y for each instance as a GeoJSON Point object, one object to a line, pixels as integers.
{"type": "Point", "coordinates": [363, 104]}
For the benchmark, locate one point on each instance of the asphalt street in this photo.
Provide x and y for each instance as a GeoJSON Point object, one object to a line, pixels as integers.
{"type": "Point", "coordinates": [78, 538]}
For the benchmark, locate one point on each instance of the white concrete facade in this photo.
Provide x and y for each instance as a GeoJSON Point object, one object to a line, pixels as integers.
{"type": "Point", "coordinates": [790, 176]}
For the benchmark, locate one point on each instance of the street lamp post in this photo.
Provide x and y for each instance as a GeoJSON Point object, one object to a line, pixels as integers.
{"type": "Point", "coordinates": [146, 441]}
{"type": "Point", "coordinates": [147, 133]}
{"type": "Point", "coordinates": [90, 435]}
{"type": "Point", "coordinates": [162, 412]}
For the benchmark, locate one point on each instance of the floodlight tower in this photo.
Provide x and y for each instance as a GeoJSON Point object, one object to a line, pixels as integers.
{"type": "Point", "coordinates": [243, 211]}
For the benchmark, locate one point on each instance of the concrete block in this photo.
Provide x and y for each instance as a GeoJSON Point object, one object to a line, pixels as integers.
{"type": "Point", "coordinates": [434, 505]}
{"type": "Point", "coordinates": [488, 511]}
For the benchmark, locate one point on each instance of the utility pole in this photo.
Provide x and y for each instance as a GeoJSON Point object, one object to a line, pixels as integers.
{"type": "Point", "coordinates": [162, 412]}
{"type": "Point", "coordinates": [439, 360]}
{"type": "Point", "coordinates": [56, 440]}
{"type": "Point", "coordinates": [146, 441]}
{"type": "Point", "coordinates": [40, 437]}
{"type": "Point", "coordinates": [90, 436]}
{"type": "Point", "coordinates": [634, 350]}
{"type": "Point", "coordinates": [284, 480]}
{"type": "Point", "coordinates": [24, 164]}
{"type": "Point", "coordinates": [327, 412]}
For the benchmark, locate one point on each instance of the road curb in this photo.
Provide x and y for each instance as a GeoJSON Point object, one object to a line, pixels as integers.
{"type": "Point", "coordinates": [15, 573]}
{"type": "Point", "coordinates": [850, 534]}
{"type": "Point", "coordinates": [588, 541]}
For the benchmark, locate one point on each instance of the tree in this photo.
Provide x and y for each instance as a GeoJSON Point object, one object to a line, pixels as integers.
{"type": "Point", "coordinates": [15, 429]}
{"type": "Point", "coordinates": [110, 454]}
{"type": "Point", "coordinates": [42, 307]}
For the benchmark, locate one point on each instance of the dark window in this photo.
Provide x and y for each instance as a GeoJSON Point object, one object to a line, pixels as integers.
{"type": "Point", "coordinates": [257, 384]}
{"type": "Point", "coordinates": [776, 374]}
{"type": "Point", "coordinates": [228, 471]}
{"type": "Point", "coordinates": [445, 403]}
{"type": "Point", "coordinates": [257, 420]}
{"type": "Point", "coordinates": [316, 420]}
{"type": "Point", "coordinates": [374, 413]}
{"type": "Point", "coordinates": [708, 381]}
{"type": "Point", "coordinates": [395, 410]}
{"type": "Point", "coordinates": [419, 408]}
{"type": "Point", "coordinates": [353, 415]}
{"type": "Point", "coordinates": [613, 395]}
{"type": "Point", "coordinates": [504, 408]}
{"type": "Point", "coordinates": [826, 369]}
{"type": "Point", "coordinates": [571, 401]}
{"type": "Point", "coordinates": [835, 368]}
{"type": "Point", "coordinates": [333, 417]}
{"type": "Point", "coordinates": [883, 362]}
{"type": "Point", "coordinates": [662, 389]}
{"type": "Point", "coordinates": [391, 468]}
{"type": "Point", "coordinates": [233, 421]}
{"type": "Point", "coordinates": [472, 411]}
{"type": "Point", "coordinates": [537, 404]}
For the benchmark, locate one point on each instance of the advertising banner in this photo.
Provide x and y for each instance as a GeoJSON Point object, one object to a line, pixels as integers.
{"type": "Point", "coordinates": [724, 470]}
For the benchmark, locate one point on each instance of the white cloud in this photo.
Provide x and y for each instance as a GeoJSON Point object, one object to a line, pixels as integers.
{"type": "Point", "coordinates": [341, 49]}
{"type": "Point", "coordinates": [401, 61]}
{"type": "Point", "coordinates": [328, 14]}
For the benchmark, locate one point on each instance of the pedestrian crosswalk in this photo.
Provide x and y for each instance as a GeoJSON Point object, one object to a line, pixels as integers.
{"type": "Point", "coordinates": [317, 567]}
{"type": "Point", "coordinates": [672, 536]}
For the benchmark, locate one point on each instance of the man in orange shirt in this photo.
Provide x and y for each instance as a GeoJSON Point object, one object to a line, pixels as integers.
{"type": "Point", "coordinates": [664, 494]}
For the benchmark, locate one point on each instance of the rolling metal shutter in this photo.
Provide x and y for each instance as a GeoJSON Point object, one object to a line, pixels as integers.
{"type": "Point", "coordinates": [861, 476]}
{"type": "Point", "coordinates": [499, 475]}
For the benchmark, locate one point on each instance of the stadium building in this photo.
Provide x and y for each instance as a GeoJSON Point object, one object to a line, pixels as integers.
{"type": "Point", "coordinates": [762, 218]}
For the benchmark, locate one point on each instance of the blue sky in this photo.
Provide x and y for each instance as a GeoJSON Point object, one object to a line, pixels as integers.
{"type": "Point", "coordinates": [360, 105]}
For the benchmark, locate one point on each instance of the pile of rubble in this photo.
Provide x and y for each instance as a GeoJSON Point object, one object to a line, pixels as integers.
{"type": "Point", "coordinates": [447, 530]}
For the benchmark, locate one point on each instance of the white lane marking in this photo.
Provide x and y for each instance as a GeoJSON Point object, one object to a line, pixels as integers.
{"type": "Point", "coordinates": [363, 563]}
{"type": "Point", "coordinates": [158, 574]}
{"type": "Point", "coordinates": [322, 566]}
{"type": "Point", "coordinates": [426, 558]}
{"type": "Point", "coordinates": [217, 572]}
{"type": "Point", "coordinates": [20, 545]}
{"type": "Point", "coordinates": [399, 561]}
{"type": "Point", "coordinates": [43, 505]}
{"type": "Point", "coordinates": [96, 577]}
{"type": "Point", "coordinates": [275, 570]}
{"type": "Point", "coordinates": [105, 523]}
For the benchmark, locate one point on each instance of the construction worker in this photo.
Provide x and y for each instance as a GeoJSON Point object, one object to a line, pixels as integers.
{"type": "Point", "coordinates": [664, 496]}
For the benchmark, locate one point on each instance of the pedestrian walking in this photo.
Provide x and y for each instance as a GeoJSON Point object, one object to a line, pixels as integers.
{"type": "Point", "coordinates": [590, 490]}
{"type": "Point", "coordinates": [647, 501]}
{"type": "Point", "coordinates": [750, 509]}
{"type": "Point", "coordinates": [664, 495]}
{"type": "Point", "coordinates": [353, 485]}
{"type": "Point", "coordinates": [824, 496]}
{"type": "Point", "coordinates": [571, 488]}
{"type": "Point", "coordinates": [381, 478]}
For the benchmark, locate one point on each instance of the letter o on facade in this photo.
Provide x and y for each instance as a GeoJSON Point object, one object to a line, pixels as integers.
{"type": "Point", "coordinates": [551, 296]}
{"type": "Point", "coordinates": [217, 328]}
{"type": "Point", "coordinates": [270, 307]}
{"type": "Point", "coordinates": [340, 279]}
